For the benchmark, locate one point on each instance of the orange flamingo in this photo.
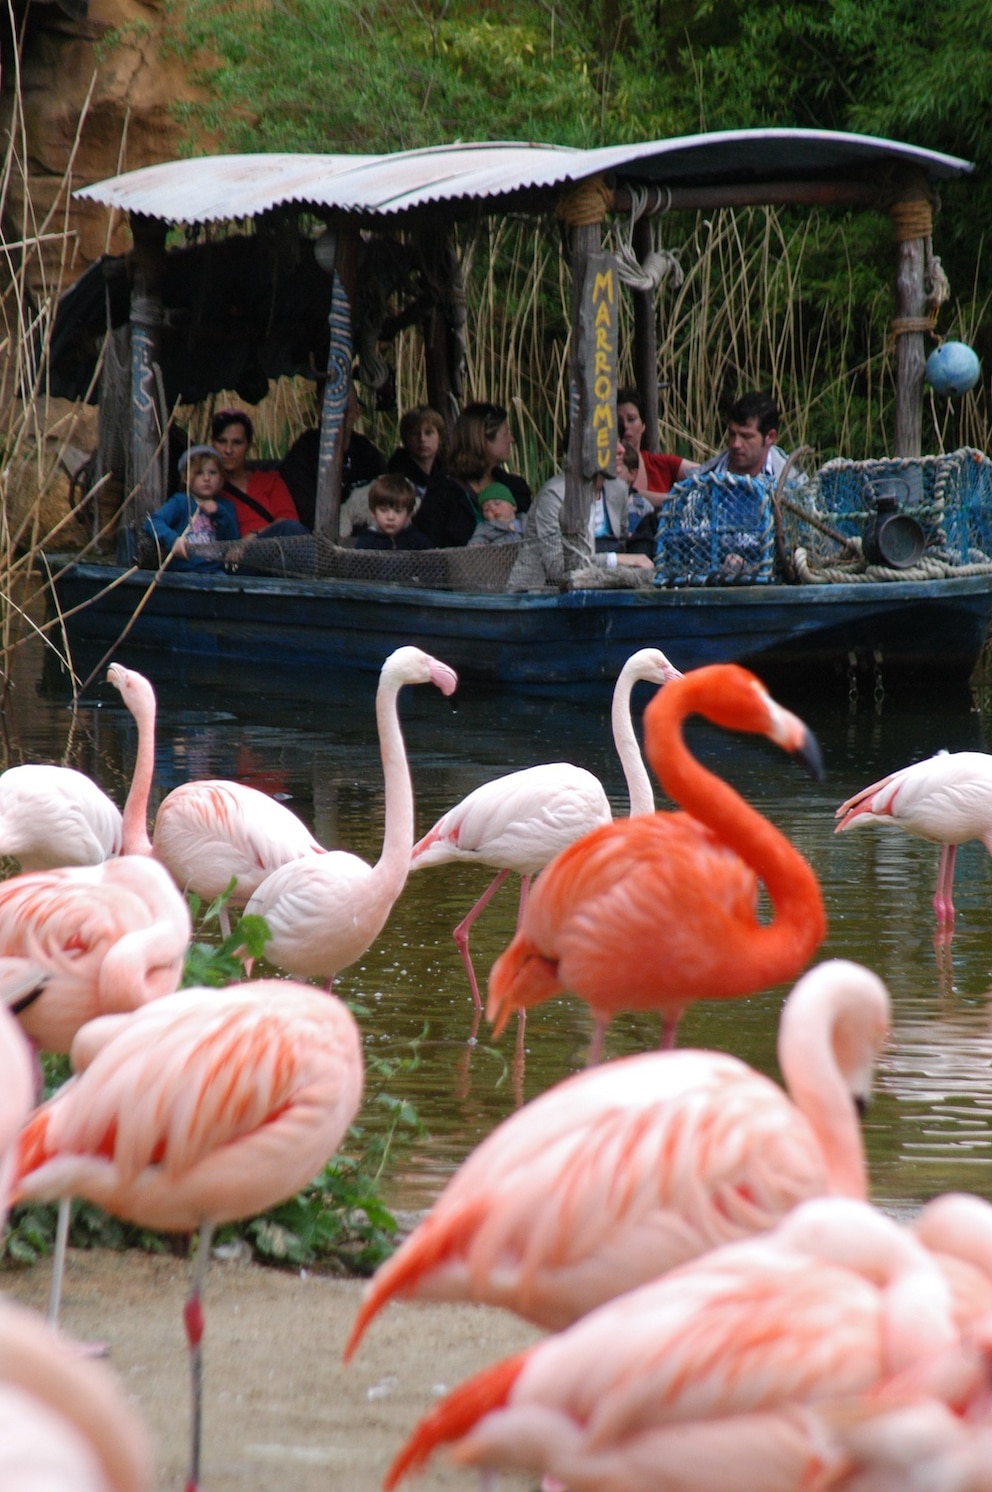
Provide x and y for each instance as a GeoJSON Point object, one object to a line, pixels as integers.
{"type": "Point", "coordinates": [625, 1171]}
{"type": "Point", "coordinates": [652, 913]}
{"type": "Point", "coordinates": [721, 1365]}
{"type": "Point", "coordinates": [521, 821]}
{"type": "Point", "coordinates": [325, 911]}
{"type": "Point", "coordinates": [103, 939]}
{"type": "Point", "coordinates": [205, 1106]}
{"type": "Point", "coordinates": [206, 833]}
{"type": "Point", "coordinates": [64, 1423]}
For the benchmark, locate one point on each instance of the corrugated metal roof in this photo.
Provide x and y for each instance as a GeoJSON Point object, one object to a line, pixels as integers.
{"type": "Point", "coordinates": [230, 187]}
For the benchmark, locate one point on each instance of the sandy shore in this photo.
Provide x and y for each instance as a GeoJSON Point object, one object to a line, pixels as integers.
{"type": "Point", "coordinates": [280, 1409]}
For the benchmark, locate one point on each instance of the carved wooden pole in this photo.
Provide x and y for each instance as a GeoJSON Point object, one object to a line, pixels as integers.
{"type": "Point", "coordinates": [444, 325]}
{"type": "Point", "coordinates": [646, 340]}
{"type": "Point", "coordinates": [337, 389]}
{"type": "Point", "coordinates": [583, 210]}
{"type": "Point", "coordinates": [911, 222]}
{"type": "Point", "coordinates": [148, 419]}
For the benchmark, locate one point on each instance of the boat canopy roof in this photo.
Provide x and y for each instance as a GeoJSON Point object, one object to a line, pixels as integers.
{"type": "Point", "coordinates": [463, 180]}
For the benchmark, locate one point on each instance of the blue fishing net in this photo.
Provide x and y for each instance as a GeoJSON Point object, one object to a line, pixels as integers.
{"type": "Point", "coordinates": [716, 530]}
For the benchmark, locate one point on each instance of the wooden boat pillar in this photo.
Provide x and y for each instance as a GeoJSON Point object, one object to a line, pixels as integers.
{"type": "Point", "coordinates": [645, 352]}
{"type": "Point", "coordinates": [149, 420]}
{"type": "Point", "coordinates": [911, 215]}
{"type": "Point", "coordinates": [338, 387]}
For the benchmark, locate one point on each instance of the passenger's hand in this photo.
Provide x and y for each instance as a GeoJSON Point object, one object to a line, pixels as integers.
{"type": "Point", "coordinates": [638, 561]}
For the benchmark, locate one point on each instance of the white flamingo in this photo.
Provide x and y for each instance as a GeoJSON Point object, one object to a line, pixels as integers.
{"type": "Point", "coordinates": [206, 833]}
{"type": "Point", "coordinates": [521, 821]}
{"type": "Point", "coordinates": [324, 911]}
{"type": "Point", "coordinates": [52, 816]}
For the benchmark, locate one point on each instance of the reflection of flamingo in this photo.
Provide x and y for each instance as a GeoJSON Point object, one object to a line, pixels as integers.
{"type": "Point", "coordinates": [627, 1170]}
{"type": "Point", "coordinates": [325, 911]}
{"type": "Point", "coordinates": [946, 799]}
{"type": "Point", "coordinates": [205, 1106]}
{"type": "Point", "coordinates": [104, 939]}
{"type": "Point", "coordinates": [521, 821]}
{"type": "Point", "coordinates": [206, 833]}
{"type": "Point", "coordinates": [51, 816]}
{"type": "Point", "coordinates": [651, 913]}
{"type": "Point", "coordinates": [64, 1422]}
{"type": "Point", "coordinates": [720, 1365]}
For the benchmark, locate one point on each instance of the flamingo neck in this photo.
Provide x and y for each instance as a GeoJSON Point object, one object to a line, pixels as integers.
{"type": "Point", "coordinates": [135, 816]}
{"type": "Point", "coordinates": [394, 862]}
{"type": "Point", "coordinates": [799, 921]}
{"type": "Point", "coordinates": [808, 1062]}
{"type": "Point", "coordinates": [624, 738]}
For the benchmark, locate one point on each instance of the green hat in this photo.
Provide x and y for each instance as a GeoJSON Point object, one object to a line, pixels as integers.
{"type": "Point", "coordinates": [497, 492]}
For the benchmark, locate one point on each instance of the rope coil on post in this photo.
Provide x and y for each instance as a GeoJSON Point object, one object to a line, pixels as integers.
{"type": "Point", "coordinates": [585, 204]}
{"type": "Point", "coordinates": [912, 218]}
{"type": "Point", "coordinates": [659, 264]}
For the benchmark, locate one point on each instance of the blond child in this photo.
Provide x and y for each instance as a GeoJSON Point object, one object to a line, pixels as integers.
{"type": "Point", "coordinates": [197, 516]}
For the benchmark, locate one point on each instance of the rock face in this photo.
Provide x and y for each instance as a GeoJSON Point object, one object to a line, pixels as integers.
{"type": "Point", "coordinates": [87, 113]}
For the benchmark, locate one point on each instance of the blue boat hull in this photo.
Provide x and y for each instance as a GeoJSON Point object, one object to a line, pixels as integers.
{"type": "Point", "coordinates": [915, 630]}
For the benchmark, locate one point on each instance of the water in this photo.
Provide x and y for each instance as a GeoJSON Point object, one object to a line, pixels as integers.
{"type": "Point", "coordinates": [930, 1127]}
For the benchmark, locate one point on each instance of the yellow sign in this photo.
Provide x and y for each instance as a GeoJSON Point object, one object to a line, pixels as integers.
{"type": "Point", "coordinates": [598, 320]}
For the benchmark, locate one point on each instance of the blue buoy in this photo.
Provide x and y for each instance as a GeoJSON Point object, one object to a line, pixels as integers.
{"type": "Point", "coordinates": [952, 369]}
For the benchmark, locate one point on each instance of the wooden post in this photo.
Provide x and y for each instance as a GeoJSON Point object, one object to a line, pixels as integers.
{"type": "Point", "coordinates": [337, 389]}
{"type": "Point", "coordinates": [911, 222]}
{"type": "Point", "coordinates": [148, 419]}
{"type": "Point", "coordinates": [646, 340]}
{"type": "Point", "coordinates": [443, 329]}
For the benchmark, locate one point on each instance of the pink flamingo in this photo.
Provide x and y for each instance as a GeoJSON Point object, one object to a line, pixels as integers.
{"type": "Point", "coordinates": [17, 1093]}
{"type": "Point", "coordinates": [102, 939]}
{"type": "Point", "coordinates": [653, 912]}
{"type": "Point", "coordinates": [522, 821]}
{"type": "Point", "coordinates": [52, 816]}
{"type": "Point", "coordinates": [325, 911]}
{"type": "Point", "coordinates": [208, 833]}
{"type": "Point", "coordinates": [946, 799]}
{"type": "Point", "coordinates": [627, 1170]}
{"type": "Point", "coordinates": [205, 1106]}
{"type": "Point", "coordinates": [721, 1365]}
{"type": "Point", "coordinates": [64, 1423]}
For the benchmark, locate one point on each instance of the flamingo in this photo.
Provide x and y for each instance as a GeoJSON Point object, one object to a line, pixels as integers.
{"type": "Point", "coordinates": [653, 912]}
{"type": "Point", "coordinates": [101, 939]}
{"type": "Point", "coordinates": [946, 799]}
{"type": "Point", "coordinates": [625, 1171]}
{"type": "Point", "coordinates": [714, 1375]}
{"type": "Point", "coordinates": [17, 1093]}
{"type": "Point", "coordinates": [522, 820]}
{"type": "Point", "coordinates": [205, 1106]}
{"type": "Point", "coordinates": [52, 816]}
{"type": "Point", "coordinates": [325, 911]}
{"type": "Point", "coordinates": [206, 833]}
{"type": "Point", "coordinates": [66, 1425]}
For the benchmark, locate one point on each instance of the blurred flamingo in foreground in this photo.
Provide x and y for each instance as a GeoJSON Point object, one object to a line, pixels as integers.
{"type": "Point", "coordinates": [654, 912]}
{"type": "Point", "coordinates": [205, 1106]}
{"type": "Point", "coordinates": [946, 799]}
{"type": "Point", "coordinates": [626, 1170]}
{"type": "Point", "coordinates": [206, 833]}
{"type": "Point", "coordinates": [102, 939]}
{"type": "Point", "coordinates": [325, 911]}
{"type": "Point", "coordinates": [727, 1372]}
{"type": "Point", "coordinates": [521, 821]}
{"type": "Point", "coordinates": [64, 1423]}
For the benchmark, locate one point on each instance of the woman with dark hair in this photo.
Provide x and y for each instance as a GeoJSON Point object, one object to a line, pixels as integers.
{"type": "Point", "coordinates": [261, 499]}
{"type": "Point", "coordinates": [480, 443]}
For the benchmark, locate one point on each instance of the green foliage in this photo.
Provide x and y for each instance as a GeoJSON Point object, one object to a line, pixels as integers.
{"type": "Point", "coordinates": [219, 964]}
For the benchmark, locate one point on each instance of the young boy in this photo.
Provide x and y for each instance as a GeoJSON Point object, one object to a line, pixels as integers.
{"type": "Point", "coordinates": [200, 515]}
{"type": "Point", "coordinates": [500, 524]}
{"type": "Point", "coordinates": [392, 499]}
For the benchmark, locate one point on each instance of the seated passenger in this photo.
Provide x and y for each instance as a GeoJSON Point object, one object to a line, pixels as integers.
{"type": "Point", "coordinates": [392, 500]}
{"type": "Point", "coordinates": [752, 430]}
{"type": "Point", "coordinates": [420, 453]}
{"type": "Point", "coordinates": [198, 516]}
{"type": "Point", "coordinates": [480, 443]}
{"type": "Point", "coordinates": [361, 460]}
{"type": "Point", "coordinates": [541, 561]}
{"type": "Point", "coordinates": [657, 472]}
{"type": "Point", "coordinates": [500, 524]}
{"type": "Point", "coordinates": [262, 501]}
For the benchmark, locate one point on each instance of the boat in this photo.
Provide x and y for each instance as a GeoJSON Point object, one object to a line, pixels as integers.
{"type": "Point", "coordinates": [813, 608]}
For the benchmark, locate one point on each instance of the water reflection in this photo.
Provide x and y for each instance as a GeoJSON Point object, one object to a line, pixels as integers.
{"type": "Point", "coordinates": [931, 1124]}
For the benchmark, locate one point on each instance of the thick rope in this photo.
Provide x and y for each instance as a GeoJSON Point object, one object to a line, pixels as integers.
{"type": "Point", "coordinates": [585, 204]}
{"type": "Point", "coordinates": [912, 217]}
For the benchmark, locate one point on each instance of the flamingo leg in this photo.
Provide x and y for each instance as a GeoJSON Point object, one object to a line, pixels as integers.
{"type": "Point", "coordinates": [464, 927]}
{"type": "Point", "coordinates": [596, 1044]}
{"type": "Point", "coordinates": [193, 1321]}
{"type": "Point", "coordinates": [669, 1026]}
{"type": "Point", "coordinates": [58, 1261]}
{"type": "Point", "coordinates": [943, 903]}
